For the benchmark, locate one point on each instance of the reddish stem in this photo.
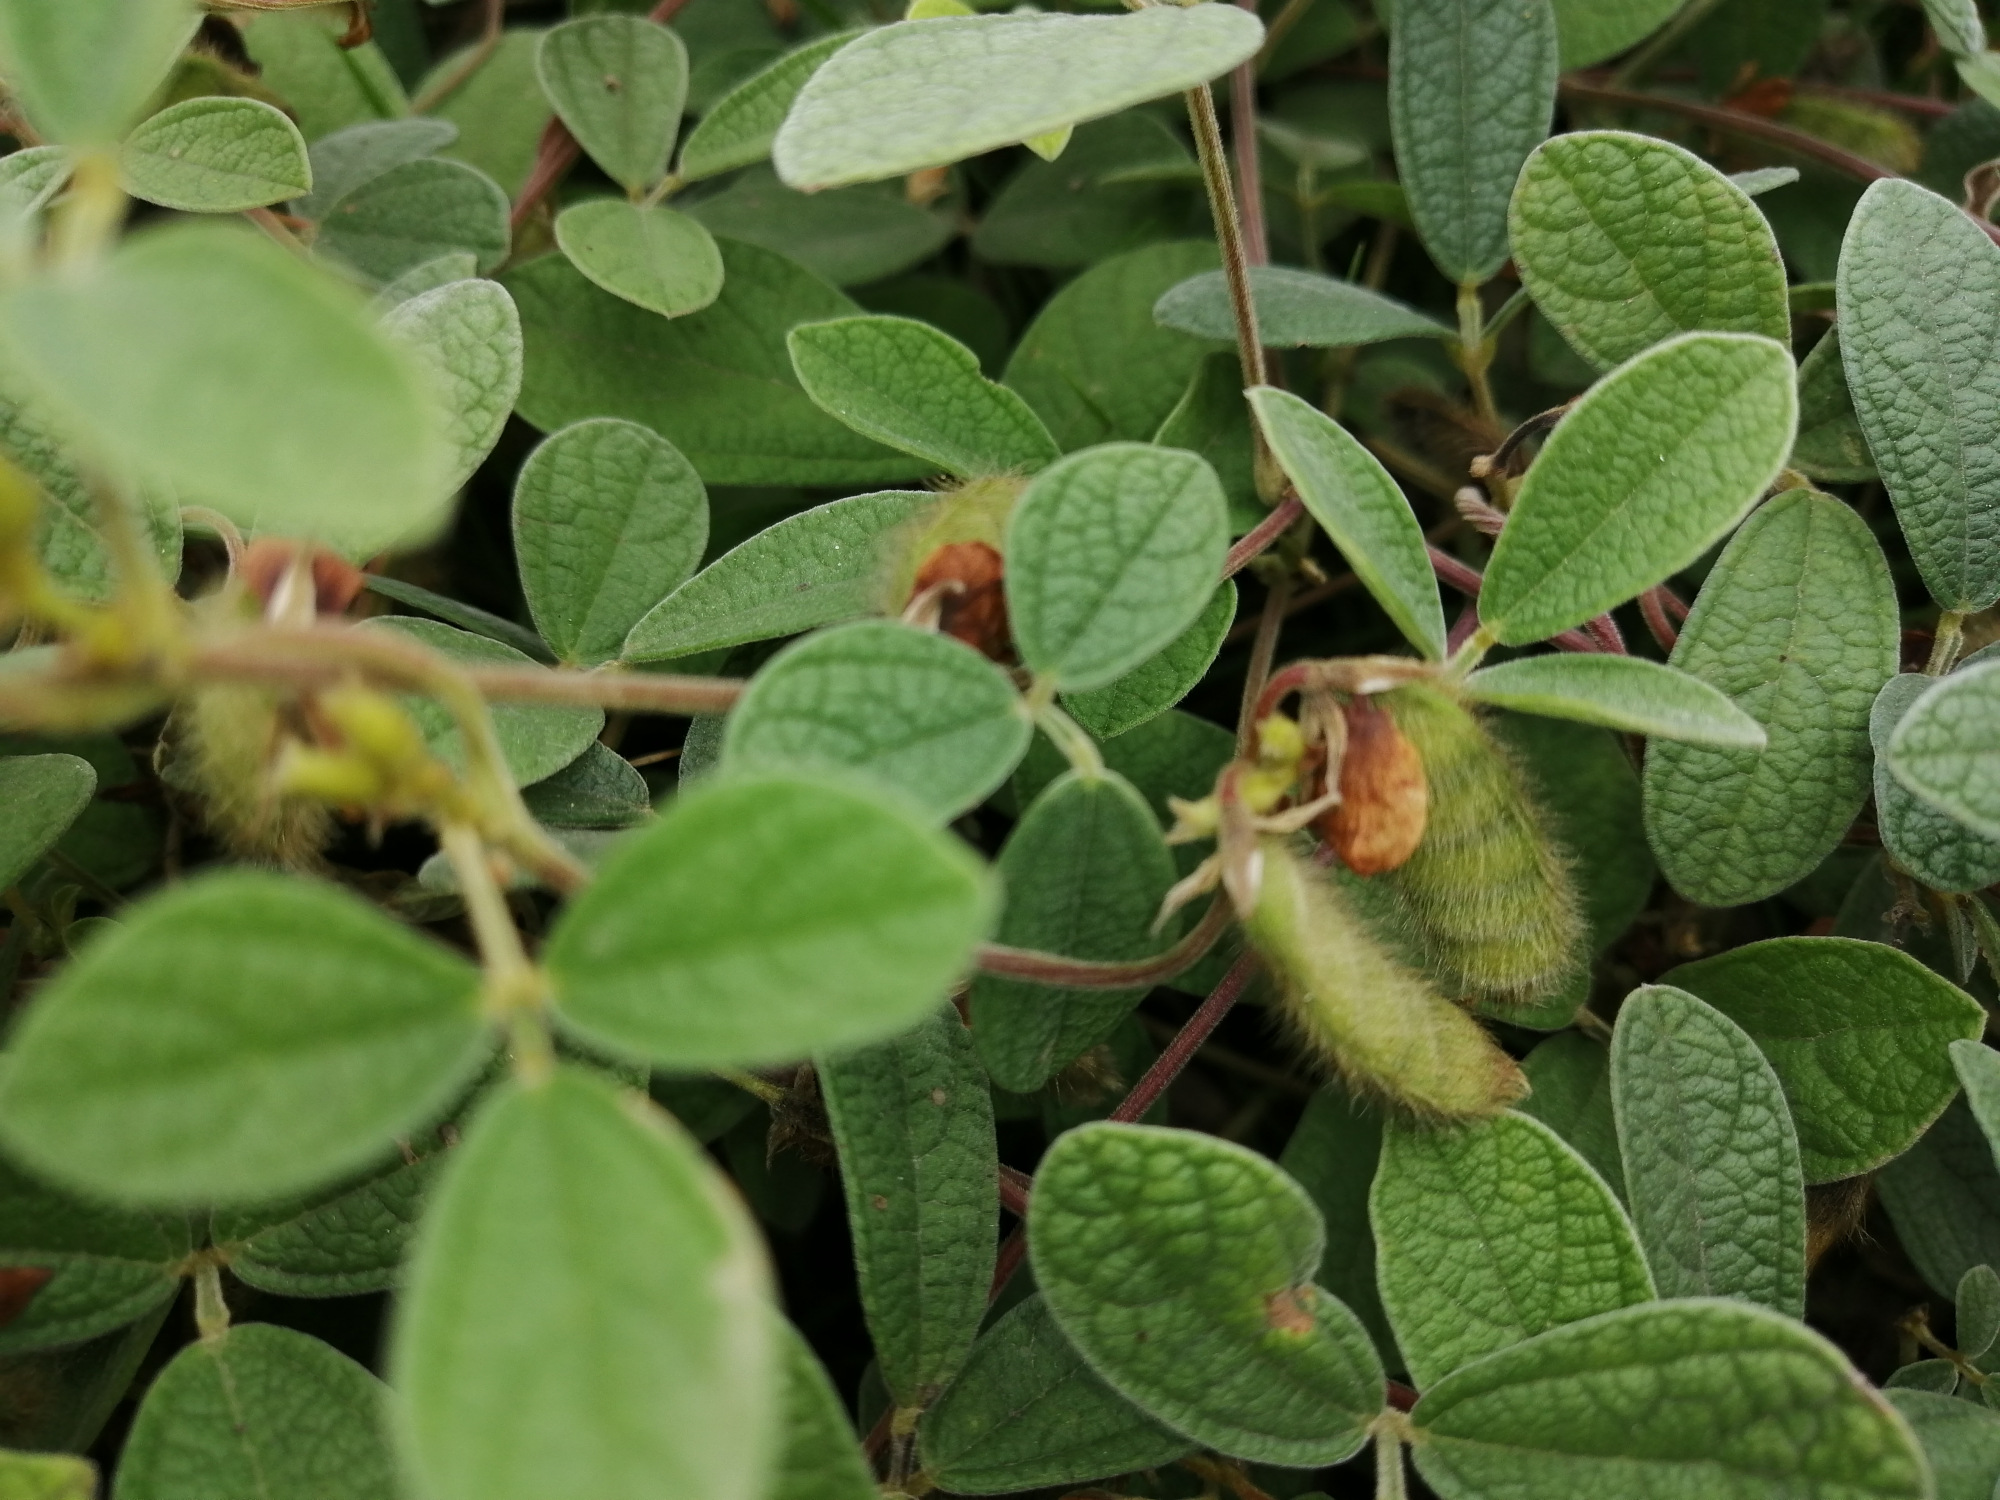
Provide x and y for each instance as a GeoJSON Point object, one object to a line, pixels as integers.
{"type": "Point", "coordinates": [1466, 579]}
{"type": "Point", "coordinates": [1014, 1188]}
{"type": "Point", "coordinates": [1654, 609]}
{"type": "Point", "coordinates": [1262, 535]}
{"type": "Point", "coordinates": [1604, 630]}
{"type": "Point", "coordinates": [1200, 1026]}
{"type": "Point", "coordinates": [1007, 1262]}
{"type": "Point", "coordinates": [1249, 171]}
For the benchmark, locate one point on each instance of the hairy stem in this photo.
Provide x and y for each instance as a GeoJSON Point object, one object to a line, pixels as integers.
{"type": "Point", "coordinates": [1255, 541]}
{"type": "Point", "coordinates": [1168, 1065]}
{"type": "Point", "coordinates": [1083, 974]}
{"type": "Point", "coordinates": [1944, 645]}
{"type": "Point", "coordinates": [1263, 650]}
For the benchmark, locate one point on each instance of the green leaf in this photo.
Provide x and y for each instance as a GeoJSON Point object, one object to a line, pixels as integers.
{"type": "Point", "coordinates": [849, 236]}
{"type": "Point", "coordinates": [1181, 1267]}
{"type": "Point", "coordinates": [1711, 1158]}
{"type": "Point", "coordinates": [739, 129]}
{"type": "Point", "coordinates": [918, 714]}
{"type": "Point", "coordinates": [43, 795]}
{"type": "Point", "coordinates": [1174, 755]}
{"type": "Point", "coordinates": [587, 1311]}
{"type": "Point", "coordinates": [259, 1411]}
{"type": "Point", "coordinates": [916, 388]}
{"type": "Point", "coordinates": [1100, 199]}
{"type": "Point", "coordinates": [717, 384]}
{"type": "Point", "coordinates": [1919, 299]}
{"type": "Point", "coordinates": [1027, 1412]}
{"type": "Point", "coordinates": [1655, 464]}
{"type": "Point", "coordinates": [108, 349]}
{"type": "Point", "coordinates": [1472, 86]}
{"type": "Point", "coordinates": [1943, 1196]}
{"type": "Point", "coordinates": [339, 1243]}
{"type": "Point", "coordinates": [1163, 679]}
{"type": "Point", "coordinates": [1797, 623]}
{"type": "Point", "coordinates": [922, 93]}
{"type": "Point", "coordinates": [1927, 843]}
{"type": "Point", "coordinates": [537, 739]}
{"type": "Point", "coordinates": [1491, 1234]}
{"type": "Point", "coordinates": [819, 1457]}
{"type": "Point", "coordinates": [466, 335]}
{"type": "Point", "coordinates": [1085, 870]}
{"type": "Point", "coordinates": [1624, 240]}
{"type": "Point", "coordinates": [464, 616]}
{"type": "Point", "coordinates": [608, 519]}
{"type": "Point", "coordinates": [619, 83]}
{"type": "Point", "coordinates": [820, 567]}
{"type": "Point", "coordinates": [1295, 310]}
{"type": "Point", "coordinates": [1213, 419]}
{"type": "Point", "coordinates": [1957, 25]}
{"type": "Point", "coordinates": [1349, 493]}
{"type": "Point", "coordinates": [216, 156]}
{"type": "Point", "coordinates": [81, 70]}
{"type": "Point", "coordinates": [326, 86]}
{"type": "Point", "coordinates": [806, 917]}
{"type": "Point", "coordinates": [1333, 1154]}
{"type": "Point", "coordinates": [1094, 365]}
{"type": "Point", "coordinates": [500, 110]}
{"type": "Point", "coordinates": [159, 1068]}
{"type": "Point", "coordinates": [415, 213]}
{"type": "Point", "coordinates": [1592, 30]}
{"type": "Point", "coordinates": [652, 257]}
{"type": "Point", "coordinates": [111, 1266]}
{"type": "Point", "coordinates": [46, 1476]}
{"type": "Point", "coordinates": [1961, 1441]}
{"type": "Point", "coordinates": [351, 158]}
{"type": "Point", "coordinates": [1978, 1069]}
{"type": "Point", "coordinates": [1857, 1034]}
{"type": "Point", "coordinates": [1619, 692]}
{"type": "Point", "coordinates": [1111, 554]}
{"type": "Point", "coordinates": [1569, 1075]}
{"type": "Point", "coordinates": [31, 177]}
{"type": "Point", "coordinates": [1671, 1401]}
{"type": "Point", "coordinates": [913, 1120]}
{"type": "Point", "coordinates": [599, 789]}
{"type": "Point", "coordinates": [1942, 749]}
{"type": "Point", "coordinates": [455, 265]}
{"type": "Point", "coordinates": [1977, 1300]}
{"type": "Point", "coordinates": [1830, 446]}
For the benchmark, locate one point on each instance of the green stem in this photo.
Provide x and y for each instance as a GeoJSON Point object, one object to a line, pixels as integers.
{"type": "Point", "coordinates": [1475, 352]}
{"type": "Point", "coordinates": [750, 1083]}
{"type": "Point", "coordinates": [1068, 736]}
{"type": "Point", "coordinates": [1389, 1482]}
{"type": "Point", "coordinates": [1944, 645]}
{"type": "Point", "coordinates": [1469, 655]}
{"type": "Point", "coordinates": [211, 1309]}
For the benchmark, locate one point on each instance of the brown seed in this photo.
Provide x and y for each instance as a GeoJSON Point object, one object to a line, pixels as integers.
{"type": "Point", "coordinates": [336, 581]}
{"type": "Point", "coordinates": [973, 602]}
{"type": "Point", "coordinates": [1384, 798]}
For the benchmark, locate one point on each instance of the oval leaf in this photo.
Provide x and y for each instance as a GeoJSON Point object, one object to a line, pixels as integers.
{"type": "Point", "coordinates": [110, 350]}
{"type": "Point", "coordinates": [717, 384]}
{"type": "Point", "coordinates": [820, 567]}
{"type": "Point", "coordinates": [350, 158]}
{"type": "Point", "coordinates": [608, 518]}
{"type": "Point", "coordinates": [467, 337]}
{"type": "Point", "coordinates": [913, 1120]}
{"type": "Point", "coordinates": [587, 1311]}
{"type": "Point", "coordinates": [415, 213]}
{"type": "Point", "coordinates": [1619, 692]}
{"type": "Point", "coordinates": [1797, 623]}
{"type": "Point", "coordinates": [1711, 1158]}
{"type": "Point", "coordinates": [1962, 1441]}
{"type": "Point", "coordinates": [1677, 1399]}
{"type": "Point", "coordinates": [1085, 870]}
{"type": "Point", "coordinates": [1111, 553]}
{"type": "Point", "coordinates": [913, 387]}
{"type": "Point", "coordinates": [922, 93]}
{"type": "Point", "coordinates": [650, 256]}
{"type": "Point", "coordinates": [1181, 1268]}
{"type": "Point", "coordinates": [1491, 1234]}
{"type": "Point", "coordinates": [819, 1457]}
{"type": "Point", "coordinates": [255, 1412]}
{"type": "Point", "coordinates": [1919, 299]}
{"type": "Point", "coordinates": [1943, 748]}
{"type": "Point", "coordinates": [216, 156]}
{"type": "Point", "coordinates": [160, 1066]}
{"type": "Point", "coordinates": [1857, 1034]}
{"type": "Point", "coordinates": [619, 83]}
{"type": "Point", "coordinates": [339, 1243]}
{"type": "Point", "coordinates": [919, 714]}
{"type": "Point", "coordinates": [1472, 87]}
{"type": "Point", "coordinates": [805, 917]}
{"type": "Point", "coordinates": [1624, 240]}
{"type": "Point", "coordinates": [1295, 310]}
{"type": "Point", "coordinates": [1162, 680]}
{"type": "Point", "coordinates": [81, 70]}
{"type": "Point", "coordinates": [1655, 464]}
{"type": "Point", "coordinates": [1349, 493]}
{"type": "Point", "coordinates": [1027, 1412]}
{"type": "Point", "coordinates": [1943, 1196]}
{"type": "Point", "coordinates": [1928, 843]}
{"type": "Point", "coordinates": [738, 130]}
{"type": "Point", "coordinates": [43, 795]}
{"type": "Point", "coordinates": [1830, 445]}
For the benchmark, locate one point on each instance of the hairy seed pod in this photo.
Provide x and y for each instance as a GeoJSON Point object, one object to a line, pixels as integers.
{"type": "Point", "coordinates": [1384, 796]}
{"type": "Point", "coordinates": [974, 512]}
{"type": "Point", "coordinates": [1486, 887]}
{"type": "Point", "coordinates": [1376, 1023]}
{"type": "Point", "coordinates": [219, 745]}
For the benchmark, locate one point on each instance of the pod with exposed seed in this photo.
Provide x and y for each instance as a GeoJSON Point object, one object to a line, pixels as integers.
{"type": "Point", "coordinates": [1384, 796]}
{"type": "Point", "coordinates": [1378, 1024]}
{"type": "Point", "coordinates": [976, 511]}
{"type": "Point", "coordinates": [1486, 886]}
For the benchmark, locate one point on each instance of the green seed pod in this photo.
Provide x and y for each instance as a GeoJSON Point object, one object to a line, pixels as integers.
{"type": "Point", "coordinates": [219, 746]}
{"type": "Point", "coordinates": [1376, 1023]}
{"type": "Point", "coordinates": [1487, 888]}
